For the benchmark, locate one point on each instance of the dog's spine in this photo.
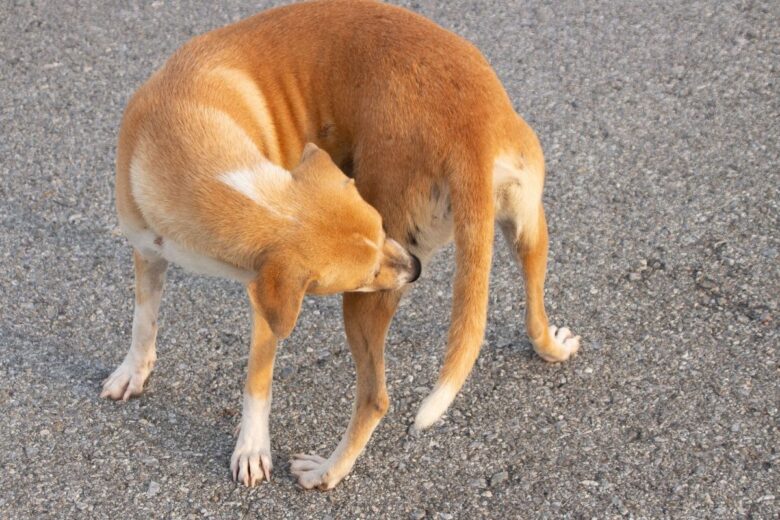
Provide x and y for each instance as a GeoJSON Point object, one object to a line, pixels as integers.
{"type": "Point", "coordinates": [473, 213]}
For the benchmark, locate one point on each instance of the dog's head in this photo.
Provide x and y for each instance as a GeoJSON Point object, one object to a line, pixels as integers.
{"type": "Point", "coordinates": [337, 245]}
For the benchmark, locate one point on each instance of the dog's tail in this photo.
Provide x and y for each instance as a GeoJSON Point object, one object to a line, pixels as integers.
{"type": "Point", "coordinates": [471, 193]}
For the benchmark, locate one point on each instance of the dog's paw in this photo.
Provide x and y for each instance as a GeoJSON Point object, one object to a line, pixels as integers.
{"type": "Point", "coordinates": [127, 380]}
{"type": "Point", "coordinates": [251, 459]}
{"type": "Point", "coordinates": [312, 471]}
{"type": "Point", "coordinates": [250, 465]}
{"type": "Point", "coordinates": [561, 345]}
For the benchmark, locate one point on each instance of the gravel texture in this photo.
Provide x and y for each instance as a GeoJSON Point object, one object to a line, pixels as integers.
{"type": "Point", "coordinates": [661, 124]}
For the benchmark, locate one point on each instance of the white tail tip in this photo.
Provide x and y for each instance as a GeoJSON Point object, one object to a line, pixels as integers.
{"type": "Point", "coordinates": [434, 406]}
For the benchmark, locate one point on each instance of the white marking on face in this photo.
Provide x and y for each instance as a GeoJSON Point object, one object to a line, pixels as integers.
{"type": "Point", "coordinates": [365, 289]}
{"type": "Point", "coordinates": [264, 185]}
{"type": "Point", "coordinates": [434, 406]}
{"type": "Point", "coordinates": [369, 243]}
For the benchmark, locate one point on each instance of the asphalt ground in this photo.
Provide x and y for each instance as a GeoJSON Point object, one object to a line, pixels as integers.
{"type": "Point", "coordinates": [660, 122]}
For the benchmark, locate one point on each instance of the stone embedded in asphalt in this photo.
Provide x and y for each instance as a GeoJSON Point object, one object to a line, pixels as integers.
{"type": "Point", "coordinates": [498, 478]}
{"type": "Point", "coordinates": [154, 488]}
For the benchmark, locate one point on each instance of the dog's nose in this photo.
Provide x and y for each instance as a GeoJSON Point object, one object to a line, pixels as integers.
{"type": "Point", "coordinates": [416, 269]}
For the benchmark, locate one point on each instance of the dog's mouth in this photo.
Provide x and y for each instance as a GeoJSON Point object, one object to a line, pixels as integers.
{"type": "Point", "coordinates": [407, 266]}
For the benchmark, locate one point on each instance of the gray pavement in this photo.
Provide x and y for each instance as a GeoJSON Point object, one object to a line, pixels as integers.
{"type": "Point", "coordinates": [661, 124]}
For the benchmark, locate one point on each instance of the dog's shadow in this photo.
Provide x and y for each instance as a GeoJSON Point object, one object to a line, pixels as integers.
{"type": "Point", "coordinates": [184, 414]}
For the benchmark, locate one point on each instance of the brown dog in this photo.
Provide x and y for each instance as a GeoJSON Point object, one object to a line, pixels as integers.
{"type": "Point", "coordinates": [417, 117]}
{"type": "Point", "coordinates": [194, 189]}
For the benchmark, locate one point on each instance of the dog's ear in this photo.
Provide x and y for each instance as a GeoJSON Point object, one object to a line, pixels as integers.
{"type": "Point", "coordinates": [277, 293]}
{"type": "Point", "coordinates": [314, 161]}
{"type": "Point", "coordinates": [309, 151]}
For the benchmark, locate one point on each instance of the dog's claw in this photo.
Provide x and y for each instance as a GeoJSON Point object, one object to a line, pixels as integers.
{"type": "Point", "coordinates": [266, 466]}
{"type": "Point", "coordinates": [251, 467]}
{"type": "Point", "coordinates": [126, 381]}
{"type": "Point", "coordinates": [312, 471]}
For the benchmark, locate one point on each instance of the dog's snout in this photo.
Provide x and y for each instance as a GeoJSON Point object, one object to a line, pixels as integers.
{"type": "Point", "coordinates": [406, 265]}
{"type": "Point", "coordinates": [416, 269]}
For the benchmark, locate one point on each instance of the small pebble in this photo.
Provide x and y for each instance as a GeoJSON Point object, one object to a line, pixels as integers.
{"type": "Point", "coordinates": [498, 478]}
{"type": "Point", "coordinates": [478, 483]}
{"type": "Point", "coordinates": [154, 488]}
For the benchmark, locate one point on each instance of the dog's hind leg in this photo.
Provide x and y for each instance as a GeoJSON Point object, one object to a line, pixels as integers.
{"type": "Point", "coordinates": [251, 459]}
{"type": "Point", "coordinates": [129, 377]}
{"type": "Point", "coordinates": [521, 217]}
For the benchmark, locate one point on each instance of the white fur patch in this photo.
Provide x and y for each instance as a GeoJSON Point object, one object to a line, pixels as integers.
{"type": "Point", "coordinates": [369, 243]}
{"type": "Point", "coordinates": [128, 379]}
{"type": "Point", "coordinates": [144, 327]}
{"type": "Point", "coordinates": [434, 221]}
{"type": "Point", "coordinates": [261, 184]}
{"type": "Point", "coordinates": [434, 406]}
{"type": "Point", "coordinates": [364, 289]}
{"type": "Point", "coordinates": [152, 245]}
{"type": "Point", "coordinates": [254, 423]}
{"type": "Point", "coordinates": [202, 264]}
{"type": "Point", "coordinates": [565, 342]}
{"type": "Point", "coordinates": [251, 459]}
{"type": "Point", "coordinates": [518, 192]}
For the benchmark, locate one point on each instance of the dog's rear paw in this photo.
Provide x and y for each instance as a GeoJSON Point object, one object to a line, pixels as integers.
{"type": "Point", "coordinates": [560, 345]}
{"type": "Point", "coordinates": [126, 381]}
{"type": "Point", "coordinates": [312, 471]}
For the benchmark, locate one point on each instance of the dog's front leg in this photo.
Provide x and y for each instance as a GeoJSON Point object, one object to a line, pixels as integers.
{"type": "Point", "coordinates": [366, 320]}
{"type": "Point", "coordinates": [251, 460]}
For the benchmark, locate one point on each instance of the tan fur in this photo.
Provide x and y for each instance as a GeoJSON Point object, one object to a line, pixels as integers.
{"type": "Point", "coordinates": [412, 112]}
